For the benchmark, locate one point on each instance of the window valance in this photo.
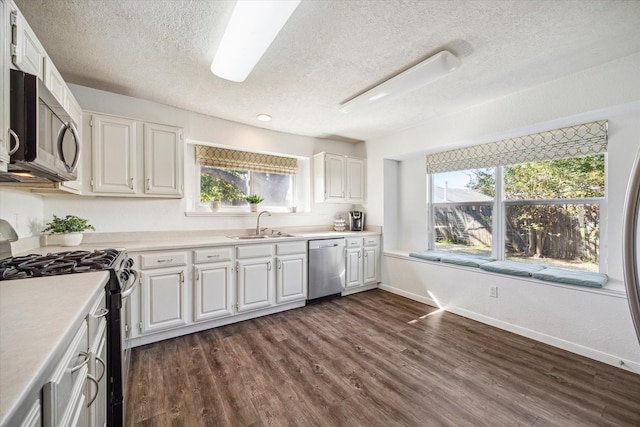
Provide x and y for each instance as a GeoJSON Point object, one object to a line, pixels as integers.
{"type": "Point", "coordinates": [572, 141]}
{"type": "Point", "coordinates": [245, 160]}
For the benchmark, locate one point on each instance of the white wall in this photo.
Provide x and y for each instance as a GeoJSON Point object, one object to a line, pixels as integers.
{"type": "Point", "coordinates": [23, 211]}
{"type": "Point", "coordinates": [594, 324]}
{"type": "Point", "coordinates": [114, 214]}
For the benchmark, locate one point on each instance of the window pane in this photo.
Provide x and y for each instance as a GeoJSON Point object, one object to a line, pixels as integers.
{"type": "Point", "coordinates": [577, 177]}
{"type": "Point", "coordinates": [475, 185]}
{"type": "Point", "coordinates": [554, 235]}
{"type": "Point", "coordinates": [225, 185]}
{"type": "Point", "coordinates": [230, 187]}
{"type": "Point", "coordinates": [275, 189]}
{"type": "Point", "coordinates": [464, 229]}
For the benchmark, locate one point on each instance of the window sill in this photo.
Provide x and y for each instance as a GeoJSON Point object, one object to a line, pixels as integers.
{"type": "Point", "coordinates": [612, 289]}
{"type": "Point", "coordinates": [239, 213]}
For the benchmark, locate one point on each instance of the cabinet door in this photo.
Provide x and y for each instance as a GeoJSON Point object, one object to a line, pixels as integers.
{"type": "Point", "coordinates": [334, 167]}
{"type": "Point", "coordinates": [163, 160]}
{"type": "Point", "coordinates": [354, 268]}
{"type": "Point", "coordinates": [98, 391]}
{"type": "Point", "coordinates": [163, 299]}
{"type": "Point", "coordinates": [254, 284]}
{"type": "Point", "coordinates": [291, 278]}
{"type": "Point", "coordinates": [34, 417]}
{"type": "Point", "coordinates": [54, 82]}
{"type": "Point", "coordinates": [355, 180]}
{"type": "Point", "coordinates": [213, 291]}
{"type": "Point", "coordinates": [114, 145]}
{"type": "Point", "coordinates": [370, 265]}
{"type": "Point", "coordinates": [27, 52]}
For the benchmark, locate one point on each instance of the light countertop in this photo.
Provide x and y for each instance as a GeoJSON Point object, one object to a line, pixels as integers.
{"type": "Point", "coordinates": [38, 319]}
{"type": "Point", "coordinates": [184, 240]}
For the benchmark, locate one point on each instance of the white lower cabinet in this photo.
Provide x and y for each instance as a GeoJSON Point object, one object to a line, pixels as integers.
{"type": "Point", "coordinates": [64, 397]}
{"type": "Point", "coordinates": [97, 388]}
{"type": "Point", "coordinates": [255, 281]}
{"type": "Point", "coordinates": [291, 271]}
{"type": "Point", "coordinates": [163, 291]}
{"type": "Point", "coordinates": [371, 265]}
{"type": "Point", "coordinates": [354, 262]}
{"type": "Point", "coordinates": [213, 284]}
{"type": "Point", "coordinates": [362, 262]}
{"type": "Point", "coordinates": [163, 299]}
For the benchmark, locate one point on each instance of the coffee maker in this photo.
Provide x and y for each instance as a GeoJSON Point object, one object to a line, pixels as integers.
{"type": "Point", "coordinates": [356, 220]}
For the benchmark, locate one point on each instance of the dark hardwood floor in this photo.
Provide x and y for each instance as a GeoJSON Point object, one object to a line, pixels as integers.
{"type": "Point", "coordinates": [372, 359]}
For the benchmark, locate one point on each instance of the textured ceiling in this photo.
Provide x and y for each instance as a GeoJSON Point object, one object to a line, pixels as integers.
{"type": "Point", "coordinates": [329, 51]}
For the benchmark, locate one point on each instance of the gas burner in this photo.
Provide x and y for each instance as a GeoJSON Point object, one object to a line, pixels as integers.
{"type": "Point", "coordinates": [53, 264]}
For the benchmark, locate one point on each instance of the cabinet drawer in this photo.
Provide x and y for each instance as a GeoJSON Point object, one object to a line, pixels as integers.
{"type": "Point", "coordinates": [291, 248]}
{"type": "Point", "coordinates": [371, 241]}
{"type": "Point", "coordinates": [254, 251]}
{"type": "Point", "coordinates": [212, 255]}
{"type": "Point", "coordinates": [354, 242]}
{"type": "Point", "coordinates": [164, 259]}
{"type": "Point", "coordinates": [72, 370]}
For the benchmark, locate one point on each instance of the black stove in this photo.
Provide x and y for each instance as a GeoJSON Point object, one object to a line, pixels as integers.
{"type": "Point", "coordinates": [53, 264]}
{"type": "Point", "coordinates": [121, 284]}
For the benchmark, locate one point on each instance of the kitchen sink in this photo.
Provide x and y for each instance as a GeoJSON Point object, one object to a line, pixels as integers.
{"type": "Point", "coordinates": [261, 236]}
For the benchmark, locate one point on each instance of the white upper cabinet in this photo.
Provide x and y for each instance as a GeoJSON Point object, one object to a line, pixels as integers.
{"type": "Point", "coordinates": [163, 160]}
{"type": "Point", "coordinates": [355, 180]}
{"type": "Point", "coordinates": [54, 82]}
{"type": "Point", "coordinates": [339, 179]}
{"type": "Point", "coordinates": [26, 51]}
{"type": "Point", "coordinates": [114, 154]}
{"type": "Point", "coordinates": [123, 165]}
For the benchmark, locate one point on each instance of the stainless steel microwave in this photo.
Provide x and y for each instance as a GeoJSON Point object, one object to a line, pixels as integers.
{"type": "Point", "coordinates": [45, 146]}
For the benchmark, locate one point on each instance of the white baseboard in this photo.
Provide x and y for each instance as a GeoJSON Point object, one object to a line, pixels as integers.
{"type": "Point", "coordinates": [581, 350]}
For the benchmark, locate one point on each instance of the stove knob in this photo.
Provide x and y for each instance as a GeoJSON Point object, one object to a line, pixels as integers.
{"type": "Point", "coordinates": [129, 262]}
{"type": "Point", "coordinates": [124, 276]}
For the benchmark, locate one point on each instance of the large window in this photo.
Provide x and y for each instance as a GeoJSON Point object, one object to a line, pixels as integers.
{"type": "Point", "coordinates": [230, 187]}
{"type": "Point", "coordinates": [229, 176]}
{"type": "Point", "coordinates": [543, 211]}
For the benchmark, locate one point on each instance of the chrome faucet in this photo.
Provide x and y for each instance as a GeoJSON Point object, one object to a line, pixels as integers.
{"type": "Point", "coordinates": [258, 230]}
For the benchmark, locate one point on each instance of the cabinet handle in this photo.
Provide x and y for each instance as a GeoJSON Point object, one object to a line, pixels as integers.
{"type": "Point", "coordinates": [104, 367]}
{"type": "Point", "coordinates": [269, 265]}
{"type": "Point", "coordinates": [366, 254]}
{"type": "Point", "coordinates": [15, 136]}
{"type": "Point", "coordinates": [93, 399]}
{"type": "Point", "coordinates": [148, 184]}
{"type": "Point", "coordinates": [359, 254]}
{"type": "Point", "coordinates": [131, 183]}
{"type": "Point", "coordinates": [101, 313]}
{"type": "Point", "coordinates": [181, 277]}
{"type": "Point", "coordinates": [161, 261]}
{"type": "Point", "coordinates": [279, 265]}
{"type": "Point", "coordinates": [86, 360]}
{"type": "Point", "coordinates": [213, 256]}
{"type": "Point", "coordinates": [197, 275]}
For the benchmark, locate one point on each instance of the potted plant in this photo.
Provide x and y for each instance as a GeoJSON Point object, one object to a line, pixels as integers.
{"type": "Point", "coordinates": [214, 196]}
{"type": "Point", "coordinates": [66, 231]}
{"type": "Point", "coordinates": [253, 200]}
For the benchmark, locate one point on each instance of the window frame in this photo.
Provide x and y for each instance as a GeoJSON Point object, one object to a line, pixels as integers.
{"type": "Point", "coordinates": [498, 236]}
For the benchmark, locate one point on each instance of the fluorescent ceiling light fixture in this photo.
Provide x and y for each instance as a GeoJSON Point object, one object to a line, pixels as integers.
{"type": "Point", "coordinates": [263, 117]}
{"type": "Point", "coordinates": [427, 71]}
{"type": "Point", "coordinates": [253, 26]}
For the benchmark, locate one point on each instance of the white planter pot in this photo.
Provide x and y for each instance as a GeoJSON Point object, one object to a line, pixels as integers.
{"type": "Point", "coordinates": [67, 239]}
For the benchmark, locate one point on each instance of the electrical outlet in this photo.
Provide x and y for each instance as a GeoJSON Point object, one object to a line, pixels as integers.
{"type": "Point", "coordinates": [493, 292]}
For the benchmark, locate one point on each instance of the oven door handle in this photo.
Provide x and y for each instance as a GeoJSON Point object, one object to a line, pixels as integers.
{"type": "Point", "coordinates": [129, 290]}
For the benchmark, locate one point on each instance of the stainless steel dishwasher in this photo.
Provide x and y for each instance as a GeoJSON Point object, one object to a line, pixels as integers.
{"type": "Point", "coordinates": [326, 267]}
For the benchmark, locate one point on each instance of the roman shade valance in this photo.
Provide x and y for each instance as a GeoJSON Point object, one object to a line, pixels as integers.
{"type": "Point", "coordinates": [573, 141]}
{"type": "Point", "coordinates": [245, 160]}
